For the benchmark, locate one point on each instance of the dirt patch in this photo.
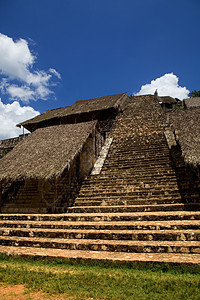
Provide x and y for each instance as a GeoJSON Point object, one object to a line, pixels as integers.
{"type": "Point", "coordinates": [18, 292]}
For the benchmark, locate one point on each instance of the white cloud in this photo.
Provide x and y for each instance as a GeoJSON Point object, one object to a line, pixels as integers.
{"type": "Point", "coordinates": [22, 93]}
{"type": "Point", "coordinates": [166, 85]}
{"type": "Point", "coordinates": [53, 71]}
{"type": "Point", "coordinates": [12, 114]}
{"type": "Point", "coordinates": [38, 78]}
{"type": "Point", "coordinates": [16, 64]}
{"type": "Point", "coordinates": [15, 57]}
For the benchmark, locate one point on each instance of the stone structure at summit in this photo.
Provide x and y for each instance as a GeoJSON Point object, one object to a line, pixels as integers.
{"type": "Point", "coordinates": [114, 177]}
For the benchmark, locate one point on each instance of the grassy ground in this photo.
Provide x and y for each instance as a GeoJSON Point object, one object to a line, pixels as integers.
{"type": "Point", "coordinates": [94, 280]}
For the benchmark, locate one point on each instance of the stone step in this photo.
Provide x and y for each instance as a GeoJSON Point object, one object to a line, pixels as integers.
{"type": "Point", "coordinates": [20, 208]}
{"type": "Point", "coordinates": [138, 161]}
{"type": "Point", "coordinates": [151, 168]}
{"type": "Point", "coordinates": [139, 166]}
{"type": "Point", "coordinates": [133, 196]}
{"type": "Point", "coordinates": [105, 225]}
{"type": "Point", "coordinates": [22, 202]}
{"type": "Point", "coordinates": [130, 204]}
{"type": "Point", "coordinates": [137, 173]}
{"type": "Point", "coordinates": [102, 255]}
{"type": "Point", "coordinates": [134, 186]}
{"type": "Point", "coordinates": [120, 177]}
{"type": "Point", "coordinates": [188, 247]}
{"type": "Point", "coordinates": [130, 151]}
{"type": "Point", "coordinates": [152, 201]}
{"type": "Point", "coordinates": [129, 192]}
{"type": "Point", "coordinates": [148, 176]}
{"type": "Point", "coordinates": [98, 234]}
{"type": "Point", "coordinates": [30, 193]}
{"type": "Point", "coordinates": [142, 173]}
{"type": "Point", "coordinates": [139, 149]}
{"type": "Point", "coordinates": [131, 216]}
{"type": "Point", "coordinates": [134, 208]}
{"type": "Point", "coordinates": [25, 197]}
{"type": "Point", "coordinates": [123, 185]}
{"type": "Point", "coordinates": [143, 194]}
{"type": "Point", "coordinates": [137, 196]}
{"type": "Point", "coordinates": [131, 144]}
{"type": "Point", "coordinates": [110, 180]}
{"type": "Point", "coordinates": [106, 206]}
{"type": "Point", "coordinates": [126, 190]}
{"type": "Point", "coordinates": [140, 157]}
{"type": "Point", "coordinates": [112, 185]}
{"type": "Point", "coordinates": [120, 147]}
{"type": "Point", "coordinates": [127, 143]}
{"type": "Point", "coordinates": [115, 185]}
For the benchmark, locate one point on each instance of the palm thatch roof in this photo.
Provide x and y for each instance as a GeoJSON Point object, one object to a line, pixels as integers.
{"type": "Point", "coordinates": [79, 107]}
{"type": "Point", "coordinates": [166, 99]}
{"type": "Point", "coordinates": [186, 125]}
{"type": "Point", "coordinates": [192, 102]}
{"type": "Point", "coordinates": [46, 152]}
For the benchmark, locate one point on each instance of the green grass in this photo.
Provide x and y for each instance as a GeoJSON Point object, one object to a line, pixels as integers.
{"type": "Point", "coordinates": [84, 280]}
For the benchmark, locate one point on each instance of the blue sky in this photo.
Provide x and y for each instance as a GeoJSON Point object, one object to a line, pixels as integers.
{"type": "Point", "coordinates": [54, 52]}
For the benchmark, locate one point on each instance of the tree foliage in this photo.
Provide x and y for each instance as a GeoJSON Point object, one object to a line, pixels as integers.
{"type": "Point", "coordinates": [194, 94]}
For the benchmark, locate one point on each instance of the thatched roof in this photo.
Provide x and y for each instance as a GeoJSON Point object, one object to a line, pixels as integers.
{"type": "Point", "coordinates": [186, 124]}
{"type": "Point", "coordinates": [192, 102]}
{"type": "Point", "coordinates": [46, 152]}
{"type": "Point", "coordinates": [166, 99]}
{"type": "Point", "coordinates": [79, 107]}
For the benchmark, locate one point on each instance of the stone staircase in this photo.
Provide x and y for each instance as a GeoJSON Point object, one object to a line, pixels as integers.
{"type": "Point", "coordinates": [25, 199]}
{"type": "Point", "coordinates": [132, 211]}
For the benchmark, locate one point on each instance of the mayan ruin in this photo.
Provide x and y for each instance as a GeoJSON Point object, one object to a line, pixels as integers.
{"type": "Point", "coordinates": [110, 178]}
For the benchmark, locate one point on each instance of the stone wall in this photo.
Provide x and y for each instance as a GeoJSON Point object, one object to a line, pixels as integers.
{"type": "Point", "coordinates": [188, 176]}
{"type": "Point", "coordinates": [170, 137]}
{"type": "Point", "coordinates": [8, 144]}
